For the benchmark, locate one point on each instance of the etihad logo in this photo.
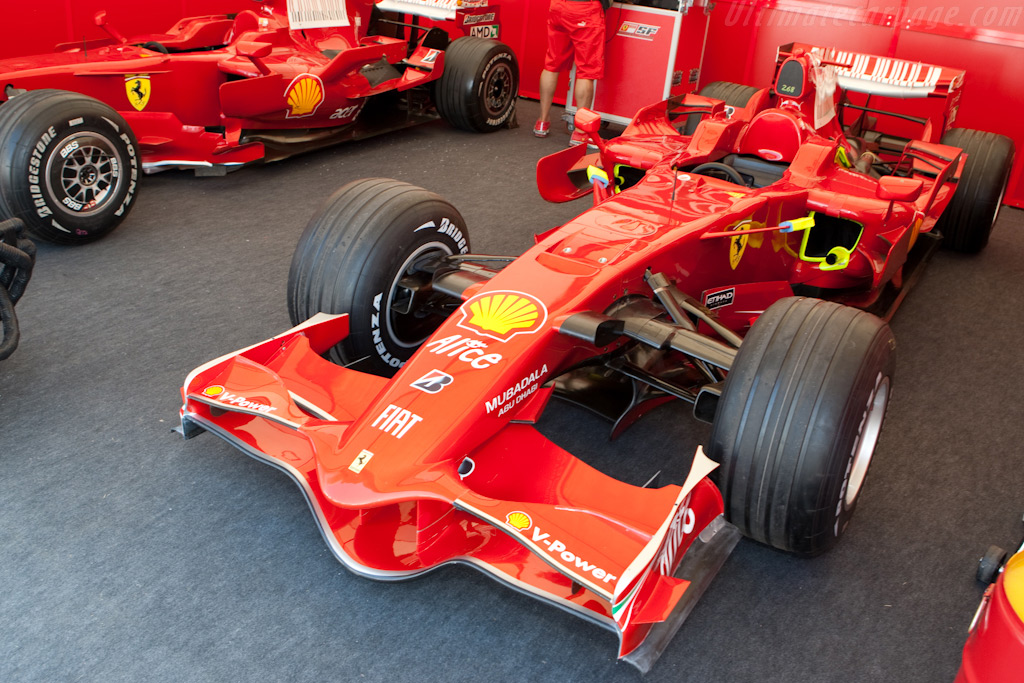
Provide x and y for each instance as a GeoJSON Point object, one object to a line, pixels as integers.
{"type": "Point", "coordinates": [503, 315]}
{"type": "Point", "coordinates": [218, 392]}
{"type": "Point", "coordinates": [304, 96]}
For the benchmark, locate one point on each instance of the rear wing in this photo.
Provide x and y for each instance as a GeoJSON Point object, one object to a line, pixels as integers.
{"type": "Point", "coordinates": [883, 76]}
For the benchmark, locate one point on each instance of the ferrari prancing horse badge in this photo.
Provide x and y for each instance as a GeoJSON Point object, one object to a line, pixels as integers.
{"type": "Point", "coordinates": [138, 89]}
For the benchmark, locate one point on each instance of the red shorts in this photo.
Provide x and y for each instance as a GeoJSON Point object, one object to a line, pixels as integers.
{"type": "Point", "coordinates": [576, 29]}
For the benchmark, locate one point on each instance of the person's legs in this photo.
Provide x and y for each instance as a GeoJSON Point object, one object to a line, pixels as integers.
{"type": "Point", "coordinates": [584, 93]}
{"type": "Point", "coordinates": [548, 83]}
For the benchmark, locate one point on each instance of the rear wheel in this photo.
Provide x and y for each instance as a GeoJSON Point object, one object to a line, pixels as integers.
{"type": "Point", "coordinates": [68, 166]}
{"type": "Point", "coordinates": [477, 91]}
{"type": "Point", "coordinates": [733, 94]}
{"type": "Point", "coordinates": [798, 420]}
{"type": "Point", "coordinates": [968, 219]}
{"type": "Point", "coordinates": [366, 253]}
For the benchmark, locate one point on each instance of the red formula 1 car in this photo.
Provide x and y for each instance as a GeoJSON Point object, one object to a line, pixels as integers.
{"type": "Point", "coordinates": [77, 127]}
{"type": "Point", "coordinates": [418, 448]}
{"type": "Point", "coordinates": [994, 652]}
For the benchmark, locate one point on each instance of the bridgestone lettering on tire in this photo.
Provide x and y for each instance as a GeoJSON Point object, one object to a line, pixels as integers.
{"type": "Point", "coordinates": [967, 221]}
{"type": "Point", "coordinates": [69, 166]}
{"type": "Point", "coordinates": [477, 91]}
{"type": "Point", "coordinates": [798, 420]}
{"type": "Point", "coordinates": [352, 258]}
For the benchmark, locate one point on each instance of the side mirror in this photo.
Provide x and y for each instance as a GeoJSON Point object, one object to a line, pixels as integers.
{"type": "Point", "coordinates": [252, 50]}
{"type": "Point", "coordinates": [100, 19]}
{"type": "Point", "coordinates": [899, 189]}
{"type": "Point", "coordinates": [588, 121]}
{"type": "Point", "coordinates": [255, 52]}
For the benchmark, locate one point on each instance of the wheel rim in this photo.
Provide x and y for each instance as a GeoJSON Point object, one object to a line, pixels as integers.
{"type": "Point", "coordinates": [409, 330]}
{"type": "Point", "coordinates": [867, 438]}
{"type": "Point", "coordinates": [498, 90]}
{"type": "Point", "coordinates": [84, 174]}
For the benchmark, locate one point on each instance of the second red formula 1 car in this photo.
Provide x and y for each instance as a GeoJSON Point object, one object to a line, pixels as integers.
{"type": "Point", "coordinates": [418, 447]}
{"type": "Point", "coordinates": [79, 126]}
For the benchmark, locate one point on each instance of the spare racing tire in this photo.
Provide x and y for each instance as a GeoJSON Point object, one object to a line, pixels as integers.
{"type": "Point", "coordinates": [733, 94]}
{"type": "Point", "coordinates": [478, 88]}
{"type": "Point", "coordinates": [69, 166]}
{"type": "Point", "coordinates": [798, 420]}
{"type": "Point", "coordinates": [967, 222]}
{"type": "Point", "coordinates": [361, 254]}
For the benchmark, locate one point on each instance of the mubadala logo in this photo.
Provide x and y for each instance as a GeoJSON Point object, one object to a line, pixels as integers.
{"type": "Point", "coordinates": [517, 393]}
{"type": "Point", "coordinates": [720, 299]}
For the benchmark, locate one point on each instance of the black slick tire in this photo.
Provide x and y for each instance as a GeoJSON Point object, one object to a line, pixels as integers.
{"type": "Point", "coordinates": [69, 166]}
{"type": "Point", "coordinates": [798, 421]}
{"type": "Point", "coordinates": [990, 563]}
{"type": "Point", "coordinates": [477, 91]}
{"type": "Point", "coordinates": [733, 94]}
{"type": "Point", "coordinates": [968, 219]}
{"type": "Point", "coordinates": [360, 255]}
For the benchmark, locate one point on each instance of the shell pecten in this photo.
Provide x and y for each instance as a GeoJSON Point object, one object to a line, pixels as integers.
{"type": "Point", "coordinates": [304, 95]}
{"type": "Point", "coordinates": [519, 520]}
{"type": "Point", "coordinates": [503, 313]}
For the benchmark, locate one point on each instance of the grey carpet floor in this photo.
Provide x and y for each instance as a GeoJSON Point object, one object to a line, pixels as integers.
{"type": "Point", "coordinates": [129, 554]}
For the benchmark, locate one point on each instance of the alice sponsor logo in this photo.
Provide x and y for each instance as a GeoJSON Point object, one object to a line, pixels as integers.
{"type": "Point", "coordinates": [222, 395]}
{"type": "Point", "coordinates": [466, 349]}
{"type": "Point", "coordinates": [517, 393]}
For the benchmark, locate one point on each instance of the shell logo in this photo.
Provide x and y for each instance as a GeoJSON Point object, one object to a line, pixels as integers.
{"type": "Point", "coordinates": [519, 521]}
{"type": "Point", "coordinates": [213, 391]}
{"type": "Point", "coordinates": [304, 96]}
{"type": "Point", "coordinates": [503, 315]}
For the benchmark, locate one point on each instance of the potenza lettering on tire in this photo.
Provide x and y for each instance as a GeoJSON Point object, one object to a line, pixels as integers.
{"type": "Point", "coordinates": [69, 165]}
{"type": "Point", "coordinates": [370, 252]}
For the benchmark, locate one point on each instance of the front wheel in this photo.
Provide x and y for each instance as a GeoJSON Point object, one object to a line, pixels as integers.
{"type": "Point", "coordinates": [369, 252]}
{"type": "Point", "coordinates": [69, 166]}
{"type": "Point", "coordinates": [798, 420]}
{"type": "Point", "coordinates": [478, 88]}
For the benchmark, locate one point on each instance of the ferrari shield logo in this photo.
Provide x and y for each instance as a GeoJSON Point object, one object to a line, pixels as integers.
{"type": "Point", "coordinates": [737, 245]}
{"type": "Point", "coordinates": [138, 89]}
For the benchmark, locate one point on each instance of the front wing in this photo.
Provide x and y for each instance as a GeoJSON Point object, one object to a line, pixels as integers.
{"type": "Point", "coordinates": [634, 561]}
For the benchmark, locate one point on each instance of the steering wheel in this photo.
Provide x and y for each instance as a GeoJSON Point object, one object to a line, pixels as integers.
{"type": "Point", "coordinates": [731, 173]}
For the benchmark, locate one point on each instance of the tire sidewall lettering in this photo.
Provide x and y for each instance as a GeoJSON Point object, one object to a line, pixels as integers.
{"type": "Point", "coordinates": [484, 77]}
{"type": "Point", "coordinates": [384, 349]}
{"type": "Point", "coordinates": [54, 146]}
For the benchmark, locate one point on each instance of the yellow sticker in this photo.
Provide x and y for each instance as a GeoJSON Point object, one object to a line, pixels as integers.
{"type": "Point", "coordinates": [138, 89]}
{"type": "Point", "coordinates": [738, 244]}
{"type": "Point", "coordinates": [361, 461]}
